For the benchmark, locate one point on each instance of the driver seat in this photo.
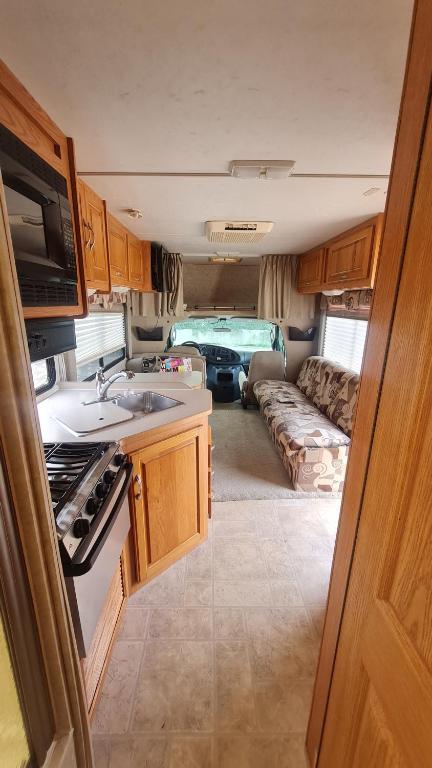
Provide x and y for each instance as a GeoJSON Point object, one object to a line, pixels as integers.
{"type": "Point", "coordinates": [263, 365]}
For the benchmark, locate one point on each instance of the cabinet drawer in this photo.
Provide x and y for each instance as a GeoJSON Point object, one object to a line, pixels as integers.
{"type": "Point", "coordinates": [350, 259]}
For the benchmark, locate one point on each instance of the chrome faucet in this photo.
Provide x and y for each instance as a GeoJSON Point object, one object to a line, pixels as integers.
{"type": "Point", "coordinates": [103, 384]}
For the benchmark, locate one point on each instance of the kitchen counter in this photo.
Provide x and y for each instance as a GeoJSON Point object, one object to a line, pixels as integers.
{"type": "Point", "coordinates": [70, 395]}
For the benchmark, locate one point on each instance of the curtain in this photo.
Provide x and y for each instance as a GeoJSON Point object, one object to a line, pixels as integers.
{"type": "Point", "coordinates": [275, 286]}
{"type": "Point", "coordinates": [170, 302]}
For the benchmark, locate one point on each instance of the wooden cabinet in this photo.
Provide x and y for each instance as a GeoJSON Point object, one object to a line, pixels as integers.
{"type": "Point", "coordinates": [94, 238]}
{"type": "Point", "coordinates": [118, 251]}
{"type": "Point", "coordinates": [170, 499]}
{"type": "Point", "coordinates": [146, 255]}
{"type": "Point", "coordinates": [347, 261]}
{"type": "Point", "coordinates": [311, 270]}
{"type": "Point", "coordinates": [94, 664]}
{"type": "Point", "coordinates": [350, 258]}
{"type": "Point", "coordinates": [135, 262]}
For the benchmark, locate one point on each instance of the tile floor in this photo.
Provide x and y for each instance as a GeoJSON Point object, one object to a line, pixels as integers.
{"type": "Point", "coordinates": [214, 664]}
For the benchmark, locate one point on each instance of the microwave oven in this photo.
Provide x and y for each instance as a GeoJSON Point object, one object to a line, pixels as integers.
{"type": "Point", "coordinates": [40, 221]}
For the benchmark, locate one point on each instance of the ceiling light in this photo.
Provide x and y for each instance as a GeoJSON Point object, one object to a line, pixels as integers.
{"type": "Point", "coordinates": [134, 213]}
{"type": "Point", "coordinates": [225, 258]}
{"type": "Point", "coordinates": [261, 169]}
{"type": "Point", "coordinates": [371, 191]}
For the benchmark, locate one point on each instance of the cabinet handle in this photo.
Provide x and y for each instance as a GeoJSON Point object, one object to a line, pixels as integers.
{"type": "Point", "coordinates": [138, 481]}
{"type": "Point", "coordinates": [92, 240]}
{"type": "Point", "coordinates": [87, 226]}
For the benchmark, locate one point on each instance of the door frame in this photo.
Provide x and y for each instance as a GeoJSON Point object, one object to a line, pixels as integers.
{"type": "Point", "coordinates": [29, 499]}
{"type": "Point", "coordinates": [409, 139]}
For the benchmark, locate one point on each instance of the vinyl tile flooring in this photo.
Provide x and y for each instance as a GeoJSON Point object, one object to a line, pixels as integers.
{"type": "Point", "coordinates": [213, 666]}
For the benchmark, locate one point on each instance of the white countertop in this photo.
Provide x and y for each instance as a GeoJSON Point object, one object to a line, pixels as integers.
{"type": "Point", "coordinates": [70, 395]}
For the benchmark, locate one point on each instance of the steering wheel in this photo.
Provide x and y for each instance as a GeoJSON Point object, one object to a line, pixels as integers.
{"type": "Point", "coordinates": [191, 344]}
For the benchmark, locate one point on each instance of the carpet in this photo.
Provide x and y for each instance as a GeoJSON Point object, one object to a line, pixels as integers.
{"type": "Point", "coordinates": [246, 463]}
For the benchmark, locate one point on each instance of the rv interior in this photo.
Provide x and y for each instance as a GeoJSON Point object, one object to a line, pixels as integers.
{"type": "Point", "coordinates": [216, 318]}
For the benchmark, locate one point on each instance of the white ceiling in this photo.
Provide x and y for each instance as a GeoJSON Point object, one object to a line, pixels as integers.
{"type": "Point", "coordinates": [188, 86]}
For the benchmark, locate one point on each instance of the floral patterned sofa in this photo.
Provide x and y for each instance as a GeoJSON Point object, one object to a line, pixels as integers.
{"type": "Point", "coordinates": [311, 422]}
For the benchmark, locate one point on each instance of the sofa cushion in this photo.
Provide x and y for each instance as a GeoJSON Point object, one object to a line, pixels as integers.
{"type": "Point", "coordinates": [272, 391]}
{"type": "Point", "coordinates": [296, 427]}
{"type": "Point", "coordinates": [332, 388]}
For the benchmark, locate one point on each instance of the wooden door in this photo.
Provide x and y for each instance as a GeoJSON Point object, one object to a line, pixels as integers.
{"type": "Point", "coordinates": [170, 495]}
{"type": "Point", "coordinates": [118, 252]}
{"type": "Point", "coordinates": [135, 262]}
{"type": "Point", "coordinates": [380, 706]}
{"type": "Point", "coordinates": [85, 231]}
{"type": "Point", "coordinates": [96, 222]}
{"type": "Point", "coordinates": [146, 261]}
{"type": "Point", "coordinates": [311, 271]}
{"type": "Point", "coordinates": [350, 259]}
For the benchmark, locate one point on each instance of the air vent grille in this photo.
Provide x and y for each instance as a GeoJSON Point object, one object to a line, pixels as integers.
{"type": "Point", "coordinates": [238, 232]}
{"type": "Point", "coordinates": [35, 294]}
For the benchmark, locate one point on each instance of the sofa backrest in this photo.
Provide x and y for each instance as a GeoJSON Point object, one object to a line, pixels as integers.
{"type": "Point", "coordinates": [332, 388]}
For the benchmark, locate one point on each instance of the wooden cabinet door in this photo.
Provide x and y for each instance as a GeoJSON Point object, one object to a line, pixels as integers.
{"type": "Point", "coordinates": [85, 231]}
{"type": "Point", "coordinates": [118, 252]}
{"type": "Point", "coordinates": [170, 500]}
{"type": "Point", "coordinates": [379, 713]}
{"type": "Point", "coordinates": [349, 260]}
{"type": "Point", "coordinates": [311, 271]}
{"type": "Point", "coordinates": [96, 220]}
{"type": "Point", "coordinates": [146, 260]}
{"type": "Point", "coordinates": [135, 262]}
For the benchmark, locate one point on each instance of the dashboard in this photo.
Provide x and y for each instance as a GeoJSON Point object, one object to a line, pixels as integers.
{"type": "Point", "coordinates": [216, 355]}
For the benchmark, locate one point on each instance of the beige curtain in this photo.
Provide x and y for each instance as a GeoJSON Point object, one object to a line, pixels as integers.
{"type": "Point", "coordinates": [275, 286]}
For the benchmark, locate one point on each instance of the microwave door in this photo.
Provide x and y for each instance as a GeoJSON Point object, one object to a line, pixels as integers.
{"type": "Point", "coordinates": [35, 225]}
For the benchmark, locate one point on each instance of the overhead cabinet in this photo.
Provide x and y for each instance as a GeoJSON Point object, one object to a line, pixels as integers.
{"type": "Point", "coordinates": [347, 261]}
{"type": "Point", "coordinates": [129, 257]}
{"type": "Point", "coordinates": [311, 270]}
{"type": "Point", "coordinates": [118, 251]}
{"type": "Point", "coordinates": [94, 238]}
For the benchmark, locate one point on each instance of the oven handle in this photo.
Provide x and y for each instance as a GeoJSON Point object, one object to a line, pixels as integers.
{"type": "Point", "coordinates": [79, 569]}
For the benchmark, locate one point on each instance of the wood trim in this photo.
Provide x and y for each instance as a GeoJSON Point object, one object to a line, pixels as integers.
{"type": "Point", "coordinates": [409, 139]}
{"type": "Point", "coordinates": [20, 627]}
{"type": "Point", "coordinates": [26, 473]}
{"type": "Point", "coordinates": [22, 115]}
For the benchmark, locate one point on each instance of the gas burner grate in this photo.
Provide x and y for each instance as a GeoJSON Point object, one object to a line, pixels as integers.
{"type": "Point", "coordinates": [67, 464]}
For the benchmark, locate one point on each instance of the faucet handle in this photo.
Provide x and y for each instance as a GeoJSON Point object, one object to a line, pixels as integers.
{"type": "Point", "coordinates": [100, 375]}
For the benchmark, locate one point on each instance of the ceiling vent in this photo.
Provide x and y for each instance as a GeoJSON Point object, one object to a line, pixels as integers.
{"type": "Point", "coordinates": [238, 232]}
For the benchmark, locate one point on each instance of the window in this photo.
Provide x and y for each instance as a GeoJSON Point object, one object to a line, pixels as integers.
{"type": "Point", "coordinates": [44, 375]}
{"type": "Point", "coordinates": [344, 340]}
{"type": "Point", "coordinates": [245, 334]}
{"type": "Point", "coordinates": [101, 343]}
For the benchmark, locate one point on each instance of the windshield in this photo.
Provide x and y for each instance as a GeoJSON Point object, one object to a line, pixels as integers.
{"type": "Point", "coordinates": [242, 334]}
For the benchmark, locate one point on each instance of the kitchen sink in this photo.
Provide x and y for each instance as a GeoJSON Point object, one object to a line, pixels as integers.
{"type": "Point", "coordinates": [145, 402]}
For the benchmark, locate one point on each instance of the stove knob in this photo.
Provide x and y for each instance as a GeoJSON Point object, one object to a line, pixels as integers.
{"type": "Point", "coordinates": [119, 459]}
{"type": "Point", "coordinates": [109, 476]}
{"type": "Point", "coordinates": [92, 506]}
{"type": "Point", "coordinates": [81, 528]}
{"type": "Point", "coordinates": [101, 490]}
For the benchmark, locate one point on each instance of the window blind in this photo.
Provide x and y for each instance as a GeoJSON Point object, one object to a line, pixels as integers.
{"type": "Point", "coordinates": [99, 334]}
{"type": "Point", "coordinates": [344, 340]}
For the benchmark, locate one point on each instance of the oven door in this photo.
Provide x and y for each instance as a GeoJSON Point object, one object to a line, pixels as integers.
{"type": "Point", "coordinates": [88, 592]}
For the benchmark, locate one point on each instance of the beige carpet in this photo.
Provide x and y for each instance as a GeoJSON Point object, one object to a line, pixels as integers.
{"type": "Point", "coordinates": [245, 461]}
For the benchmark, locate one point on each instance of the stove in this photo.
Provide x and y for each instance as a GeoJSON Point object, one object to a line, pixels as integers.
{"type": "Point", "coordinates": [89, 485]}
